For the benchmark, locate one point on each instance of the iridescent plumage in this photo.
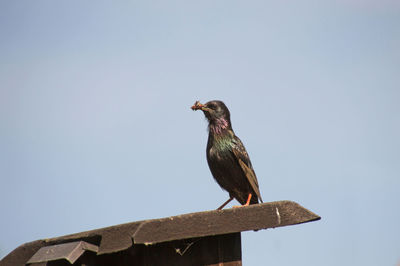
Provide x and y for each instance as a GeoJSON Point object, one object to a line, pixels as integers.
{"type": "Point", "coordinates": [227, 157]}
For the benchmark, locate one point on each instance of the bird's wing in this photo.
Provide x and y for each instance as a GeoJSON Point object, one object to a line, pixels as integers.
{"type": "Point", "coordinates": [244, 161]}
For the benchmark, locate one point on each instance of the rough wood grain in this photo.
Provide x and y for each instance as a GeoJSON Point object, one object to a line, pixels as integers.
{"type": "Point", "coordinates": [122, 237]}
{"type": "Point", "coordinates": [253, 217]}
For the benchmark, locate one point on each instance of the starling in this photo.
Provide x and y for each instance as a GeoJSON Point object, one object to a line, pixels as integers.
{"type": "Point", "coordinates": [227, 157]}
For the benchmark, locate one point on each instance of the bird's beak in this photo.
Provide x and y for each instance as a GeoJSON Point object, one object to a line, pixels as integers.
{"type": "Point", "coordinates": [198, 106]}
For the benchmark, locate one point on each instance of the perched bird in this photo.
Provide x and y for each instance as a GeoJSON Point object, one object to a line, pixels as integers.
{"type": "Point", "coordinates": [227, 157]}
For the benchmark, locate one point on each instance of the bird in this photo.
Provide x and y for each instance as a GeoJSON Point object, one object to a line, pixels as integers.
{"type": "Point", "coordinates": [227, 157]}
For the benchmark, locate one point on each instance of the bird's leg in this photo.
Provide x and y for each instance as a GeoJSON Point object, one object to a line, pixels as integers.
{"type": "Point", "coordinates": [248, 200]}
{"type": "Point", "coordinates": [226, 202]}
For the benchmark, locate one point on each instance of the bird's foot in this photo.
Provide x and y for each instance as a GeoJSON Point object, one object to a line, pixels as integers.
{"type": "Point", "coordinates": [246, 204]}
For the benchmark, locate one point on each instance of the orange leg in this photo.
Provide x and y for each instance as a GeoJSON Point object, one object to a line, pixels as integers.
{"type": "Point", "coordinates": [248, 200]}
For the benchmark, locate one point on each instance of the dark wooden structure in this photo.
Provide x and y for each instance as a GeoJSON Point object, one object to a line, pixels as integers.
{"type": "Point", "coordinates": [202, 238]}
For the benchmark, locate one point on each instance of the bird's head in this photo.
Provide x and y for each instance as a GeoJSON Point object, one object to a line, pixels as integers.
{"type": "Point", "coordinates": [216, 113]}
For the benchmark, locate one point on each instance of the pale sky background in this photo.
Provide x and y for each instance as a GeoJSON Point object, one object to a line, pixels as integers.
{"type": "Point", "coordinates": [96, 127]}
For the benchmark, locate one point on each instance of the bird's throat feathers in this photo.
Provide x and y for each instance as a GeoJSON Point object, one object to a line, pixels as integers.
{"type": "Point", "coordinates": [219, 126]}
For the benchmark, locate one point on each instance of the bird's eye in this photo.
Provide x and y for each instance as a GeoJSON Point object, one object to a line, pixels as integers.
{"type": "Point", "coordinates": [211, 106]}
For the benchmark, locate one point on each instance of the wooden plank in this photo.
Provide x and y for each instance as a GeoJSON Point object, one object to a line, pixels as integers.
{"type": "Point", "coordinates": [193, 225]}
{"type": "Point", "coordinates": [253, 217]}
{"type": "Point", "coordinates": [68, 251]}
{"type": "Point", "coordinates": [20, 255]}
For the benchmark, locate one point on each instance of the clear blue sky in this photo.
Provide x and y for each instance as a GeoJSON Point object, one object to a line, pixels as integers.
{"type": "Point", "coordinates": [96, 130]}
